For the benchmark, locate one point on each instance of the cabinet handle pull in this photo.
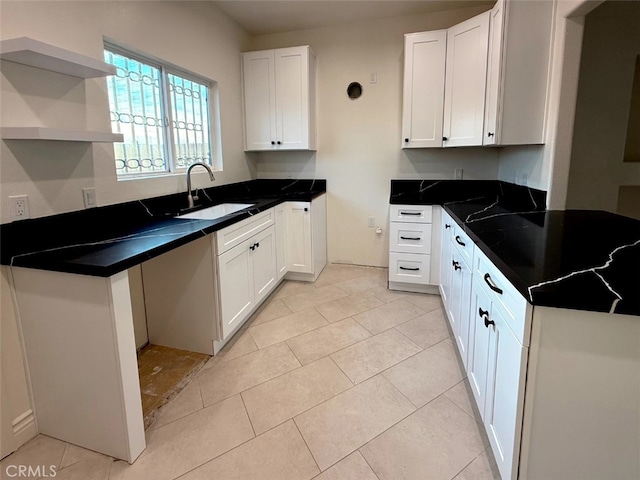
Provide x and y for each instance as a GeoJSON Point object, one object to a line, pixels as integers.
{"type": "Point", "coordinates": [410, 238]}
{"type": "Point", "coordinates": [490, 134]}
{"type": "Point", "coordinates": [482, 312]}
{"type": "Point", "coordinates": [306, 209]}
{"type": "Point", "coordinates": [488, 322]}
{"type": "Point", "coordinates": [444, 139]}
{"type": "Point", "coordinates": [406, 140]}
{"type": "Point", "coordinates": [407, 268]}
{"type": "Point", "coordinates": [456, 265]}
{"type": "Point", "coordinates": [410, 213]}
{"type": "Point", "coordinates": [252, 247]}
{"type": "Point", "coordinates": [460, 242]}
{"type": "Point", "coordinates": [446, 225]}
{"type": "Point", "coordinates": [257, 244]}
{"type": "Point", "coordinates": [489, 281]}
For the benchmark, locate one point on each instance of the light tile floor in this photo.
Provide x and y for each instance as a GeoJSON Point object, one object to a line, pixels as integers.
{"type": "Point", "coordinates": [337, 380]}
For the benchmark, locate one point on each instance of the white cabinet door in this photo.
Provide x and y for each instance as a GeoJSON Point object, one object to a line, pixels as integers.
{"type": "Point", "coordinates": [462, 333]}
{"type": "Point", "coordinates": [259, 100]}
{"type": "Point", "coordinates": [455, 296]}
{"type": "Point", "coordinates": [465, 83]}
{"type": "Point", "coordinates": [279, 99]}
{"type": "Point", "coordinates": [505, 391]}
{"type": "Point", "coordinates": [300, 249]}
{"type": "Point", "coordinates": [480, 346]}
{"type": "Point", "coordinates": [281, 239]}
{"type": "Point", "coordinates": [292, 98]}
{"type": "Point", "coordinates": [491, 128]}
{"type": "Point", "coordinates": [423, 91]}
{"type": "Point", "coordinates": [262, 249]}
{"type": "Point", "coordinates": [445, 258]}
{"type": "Point", "coordinates": [236, 286]}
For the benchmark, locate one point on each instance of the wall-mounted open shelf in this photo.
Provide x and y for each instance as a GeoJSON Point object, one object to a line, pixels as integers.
{"type": "Point", "coordinates": [34, 53]}
{"type": "Point", "coordinates": [43, 133]}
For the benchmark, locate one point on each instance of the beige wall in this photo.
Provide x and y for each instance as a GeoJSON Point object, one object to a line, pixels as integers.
{"type": "Point", "coordinates": [611, 46]}
{"type": "Point", "coordinates": [359, 140]}
{"type": "Point", "coordinates": [193, 35]}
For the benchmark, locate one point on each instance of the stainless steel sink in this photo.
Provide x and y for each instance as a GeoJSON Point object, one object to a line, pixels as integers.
{"type": "Point", "coordinates": [217, 211]}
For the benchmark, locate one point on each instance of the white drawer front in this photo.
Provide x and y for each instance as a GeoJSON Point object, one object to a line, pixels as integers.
{"type": "Point", "coordinates": [410, 213]}
{"type": "Point", "coordinates": [516, 309]}
{"type": "Point", "coordinates": [409, 268]}
{"type": "Point", "coordinates": [235, 234]}
{"type": "Point", "coordinates": [410, 237]}
{"type": "Point", "coordinates": [462, 243]}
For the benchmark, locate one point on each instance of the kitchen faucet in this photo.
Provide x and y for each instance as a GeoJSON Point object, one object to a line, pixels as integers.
{"type": "Point", "coordinates": [191, 198]}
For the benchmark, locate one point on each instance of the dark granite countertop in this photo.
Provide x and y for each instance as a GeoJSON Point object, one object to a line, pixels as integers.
{"type": "Point", "coordinates": [576, 259]}
{"type": "Point", "coordinates": [107, 240]}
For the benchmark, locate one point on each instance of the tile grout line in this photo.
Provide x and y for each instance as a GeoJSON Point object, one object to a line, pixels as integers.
{"type": "Point", "coordinates": [246, 410]}
{"type": "Point", "coordinates": [367, 461]}
{"type": "Point", "coordinates": [306, 445]}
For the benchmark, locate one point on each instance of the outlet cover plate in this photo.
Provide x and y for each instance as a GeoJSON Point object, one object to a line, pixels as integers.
{"type": "Point", "coordinates": [19, 205]}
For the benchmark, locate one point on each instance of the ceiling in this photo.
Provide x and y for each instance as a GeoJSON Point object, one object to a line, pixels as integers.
{"type": "Point", "coordinates": [260, 17]}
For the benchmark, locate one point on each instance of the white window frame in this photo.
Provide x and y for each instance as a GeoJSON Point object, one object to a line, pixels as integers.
{"type": "Point", "coordinates": [167, 68]}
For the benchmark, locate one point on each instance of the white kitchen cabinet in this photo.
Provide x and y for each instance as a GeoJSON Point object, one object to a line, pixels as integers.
{"type": "Point", "coordinates": [414, 233]}
{"type": "Point", "coordinates": [497, 363]}
{"type": "Point", "coordinates": [465, 82]}
{"type": "Point", "coordinates": [423, 90]}
{"type": "Point", "coordinates": [236, 287]}
{"type": "Point", "coordinates": [306, 239]}
{"type": "Point", "coordinates": [262, 254]}
{"type": "Point", "coordinates": [279, 99]}
{"type": "Point", "coordinates": [517, 72]}
{"type": "Point", "coordinates": [299, 246]}
{"type": "Point", "coordinates": [445, 257]}
{"type": "Point", "coordinates": [460, 303]}
{"type": "Point", "coordinates": [281, 239]}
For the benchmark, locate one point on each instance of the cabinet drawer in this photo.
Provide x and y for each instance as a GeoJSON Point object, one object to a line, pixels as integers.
{"type": "Point", "coordinates": [235, 234]}
{"type": "Point", "coordinates": [410, 213]}
{"type": "Point", "coordinates": [410, 237]}
{"type": "Point", "coordinates": [462, 243]}
{"type": "Point", "coordinates": [514, 307]}
{"type": "Point", "coordinates": [409, 268]}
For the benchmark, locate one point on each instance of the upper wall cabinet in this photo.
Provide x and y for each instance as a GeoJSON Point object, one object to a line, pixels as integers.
{"type": "Point", "coordinates": [518, 71]}
{"type": "Point", "coordinates": [279, 99]}
{"type": "Point", "coordinates": [495, 68]}
{"type": "Point", "coordinates": [466, 74]}
{"type": "Point", "coordinates": [444, 85]}
{"type": "Point", "coordinates": [423, 100]}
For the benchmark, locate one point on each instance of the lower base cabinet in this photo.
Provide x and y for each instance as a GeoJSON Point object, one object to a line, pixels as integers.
{"type": "Point", "coordinates": [246, 275]}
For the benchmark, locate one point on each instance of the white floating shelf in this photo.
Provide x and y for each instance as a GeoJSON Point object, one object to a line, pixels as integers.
{"type": "Point", "coordinates": [34, 53]}
{"type": "Point", "coordinates": [42, 133]}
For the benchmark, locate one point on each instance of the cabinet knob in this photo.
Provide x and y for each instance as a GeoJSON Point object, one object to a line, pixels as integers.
{"type": "Point", "coordinates": [490, 134]}
{"type": "Point", "coordinates": [488, 322]}
{"type": "Point", "coordinates": [456, 265]}
{"type": "Point", "coordinates": [272, 142]}
{"type": "Point", "coordinates": [279, 142]}
{"type": "Point", "coordinates": [406, 140]}
{"type": "Point", "coordinates": [444, 139]}
{"type": "Point", "coordinates": [306, 209]}
{"type": "Point", "coordinates": [446, 225]}
{"type": "Point", "coordinates": [482, 312]}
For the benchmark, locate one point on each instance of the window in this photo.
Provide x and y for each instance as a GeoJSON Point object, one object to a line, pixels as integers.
{"type": "Point", "coordinates": [162, 112]}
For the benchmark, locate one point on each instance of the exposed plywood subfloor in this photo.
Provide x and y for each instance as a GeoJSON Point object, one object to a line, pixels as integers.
{"type": "Point", "coordinates": [164, 372]}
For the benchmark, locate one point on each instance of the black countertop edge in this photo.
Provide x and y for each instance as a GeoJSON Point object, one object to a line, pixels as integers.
{"type": "Point", "coordinates": [105, 241]}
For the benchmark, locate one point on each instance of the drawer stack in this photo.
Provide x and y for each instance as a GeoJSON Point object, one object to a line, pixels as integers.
{"type": "Point", "coordinates": [410, 243]}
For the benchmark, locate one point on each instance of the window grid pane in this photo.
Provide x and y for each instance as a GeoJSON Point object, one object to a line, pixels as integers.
{"type": "Point", "coordinates": [190, 121]}
{"type": "Point", "coordinates": [136, 111]}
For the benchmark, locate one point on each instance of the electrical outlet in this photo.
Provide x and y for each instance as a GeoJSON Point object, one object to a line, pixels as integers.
{"type": "Point", "coordinates": [89, 197]}
{"type": "Point", "coordinates": [371, 221]}
{"type": "Point", "coordinates": [458, 174]}
{"type": "Point", "coordinates": [19, 207]}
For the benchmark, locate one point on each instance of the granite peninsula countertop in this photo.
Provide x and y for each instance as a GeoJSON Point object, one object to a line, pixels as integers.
{"type": "Point", "coordinates": [575, 259]}
{"type": "Point", "coordinates": [107, 240]}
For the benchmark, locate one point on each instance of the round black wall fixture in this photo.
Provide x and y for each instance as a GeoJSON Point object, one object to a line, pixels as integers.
{"type": "Point", "coordinates": [354, 90]}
